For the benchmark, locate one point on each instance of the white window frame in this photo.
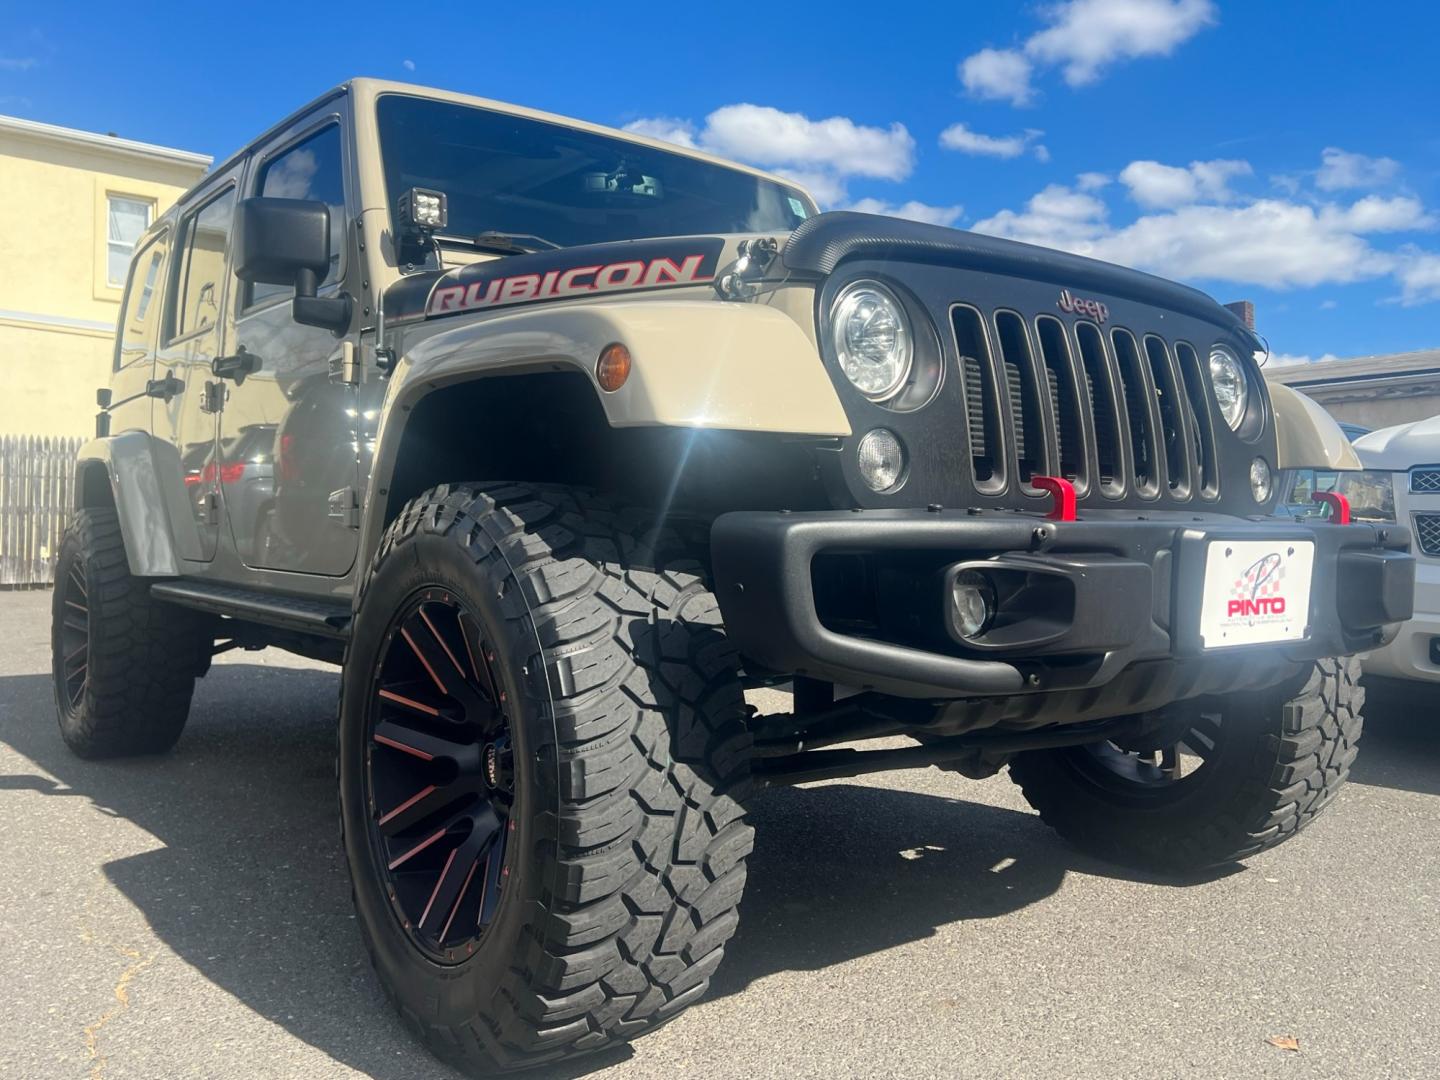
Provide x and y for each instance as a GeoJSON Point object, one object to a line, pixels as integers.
{"type": "Point", "coordinates": [111, 245]}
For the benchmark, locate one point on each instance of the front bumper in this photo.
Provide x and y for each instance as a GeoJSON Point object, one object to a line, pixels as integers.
{"type": "Point", "coordinates": [856, 597]}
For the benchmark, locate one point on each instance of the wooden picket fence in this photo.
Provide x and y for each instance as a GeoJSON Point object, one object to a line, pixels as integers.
{"type": "Point", "coordinates": [37, 482]}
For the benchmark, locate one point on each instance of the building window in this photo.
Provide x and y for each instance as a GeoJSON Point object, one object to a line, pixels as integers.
{"type": "Point", "coordinates": [128, 219]}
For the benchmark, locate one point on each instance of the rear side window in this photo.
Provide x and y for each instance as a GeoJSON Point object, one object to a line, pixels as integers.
{"type": "Point", "coordinates": [204, 236]}
{"type": "Point", "coordinates": [138, 313]}
{"type": "Point", "coordinates": [312, 169]}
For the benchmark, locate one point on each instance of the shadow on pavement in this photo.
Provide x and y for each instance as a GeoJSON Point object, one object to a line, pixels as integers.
{"type": "Point", "coordinates": [251, 888]}
{"type": "Point", "coordinates": [1401, 745]}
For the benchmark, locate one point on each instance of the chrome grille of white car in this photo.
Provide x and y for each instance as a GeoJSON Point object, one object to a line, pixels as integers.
{"type": "Point", "coordinates": [1425, 480]}
{"type": "Point", "coordinates": [1427, 533]}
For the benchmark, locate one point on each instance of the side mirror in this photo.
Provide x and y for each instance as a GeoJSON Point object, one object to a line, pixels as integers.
{"type": "Point", "coordinates": [287, 242]}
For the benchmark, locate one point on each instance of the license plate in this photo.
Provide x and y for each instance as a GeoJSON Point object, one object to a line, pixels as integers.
{"type": "Point", "coordinates": [1256, 591]}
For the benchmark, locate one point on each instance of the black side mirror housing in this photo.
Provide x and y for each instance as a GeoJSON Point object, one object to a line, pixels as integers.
{"type": "Point", "coordinates": [287, 242]}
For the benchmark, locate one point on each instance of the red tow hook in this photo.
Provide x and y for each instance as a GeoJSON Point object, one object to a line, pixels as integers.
{"type": "Point", "coordinates": [1063, 492]}
{"type": "Point", "coordinates": [1339, 506]}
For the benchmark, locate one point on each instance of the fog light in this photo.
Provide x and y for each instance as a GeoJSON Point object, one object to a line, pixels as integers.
{"type": "Point", "coordinates": [881, 458]}
{"type": "Point", "coordinates": [1260, 484]}
{"type": "Point", "coordinates": [973, 598]}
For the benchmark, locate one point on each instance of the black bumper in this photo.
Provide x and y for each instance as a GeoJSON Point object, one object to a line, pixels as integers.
{"type": "Point", "coordinates": [858, 597]}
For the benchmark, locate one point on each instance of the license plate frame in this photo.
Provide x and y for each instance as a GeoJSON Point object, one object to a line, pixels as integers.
{"type": "Point", "coordinates": [1255, 592]}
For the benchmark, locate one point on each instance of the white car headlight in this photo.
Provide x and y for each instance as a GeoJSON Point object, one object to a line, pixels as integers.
{"type": "Point", "coordinates": [1232, 385]}
{"type": "Point", "coordinates": [872, 339]}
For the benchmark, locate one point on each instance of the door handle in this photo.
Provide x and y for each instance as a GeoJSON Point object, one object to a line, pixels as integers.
{"type": "Point", "coordinates": [236, 367]}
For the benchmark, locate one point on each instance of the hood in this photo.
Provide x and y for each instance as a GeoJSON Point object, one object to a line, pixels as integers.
{"type": "Point", "coordinates": [1396, 449]}
{"type": "Point", "coordinates": [820, 243]}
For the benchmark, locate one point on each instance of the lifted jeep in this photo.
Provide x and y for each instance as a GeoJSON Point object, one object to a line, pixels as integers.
{"type": "Point", "coordinates": [558, 439]}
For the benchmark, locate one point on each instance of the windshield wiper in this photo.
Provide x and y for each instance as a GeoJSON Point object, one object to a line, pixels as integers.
{"type": "Point", "coordinates": [503, 242]}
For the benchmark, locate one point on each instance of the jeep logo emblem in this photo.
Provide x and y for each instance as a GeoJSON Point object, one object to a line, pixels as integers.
{"type": "Point", "coordinates": [1074, 305]}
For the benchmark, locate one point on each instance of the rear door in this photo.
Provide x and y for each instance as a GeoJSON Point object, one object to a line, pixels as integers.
{"type": "Point", "coordinates": [289, 451]}
{"type": "Point", "coordinates": [192, 336]}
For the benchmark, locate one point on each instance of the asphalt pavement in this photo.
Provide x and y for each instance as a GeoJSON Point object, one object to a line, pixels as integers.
{"type": "Point", "coordinates": [190, 916]}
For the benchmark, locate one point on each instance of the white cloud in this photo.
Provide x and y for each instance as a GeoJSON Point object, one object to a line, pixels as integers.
{"type": "Point", "coordinates": [1154, 185]}
{"type": "Point", "coordinates": [1275, 360]}
{"type": "Point", "coordinates": [1268, 242]}
{"type": "Point", "coordinates": [1374, 214]}
{"type": "Point", "coordinates": [1419, 274]}
{"type": "Point", "coordinates": [914, 211]}
{"type": "Point", "coordinates": [1340, 169]}
{"type": "Point", "coordinates": [997, 75]}
{"type": "Point", "coordinates": [408, 65]}
{"type": "Point", "coordinates": [1083, 38]}
{"type": "Point", "coordinates": [1092, 181]}
{"type": "Point", "coordinates": [666, 129]}
{"type": "Point", "coordinates": [1329, 305]}
{"type": "Point", "coordinates": [960, 137]}
{"type": "Point", "coordinates": [18, 63]}
{"type": "Point", "coordinates": [821, 155]}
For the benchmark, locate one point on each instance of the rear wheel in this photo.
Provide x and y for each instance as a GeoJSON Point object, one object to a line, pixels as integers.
{"type": "Point", "coordinates": [541, 743]}
{"type": "Point", "coordinates": [1231, 776]}
{"type": "Point", "coordinates": [124, 665]}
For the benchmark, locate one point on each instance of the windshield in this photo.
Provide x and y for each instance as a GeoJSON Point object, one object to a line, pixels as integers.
{"type": "Point", "coordinates": [512, 175]}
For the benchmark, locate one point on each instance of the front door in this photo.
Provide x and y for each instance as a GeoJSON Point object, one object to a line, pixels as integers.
{"type": "Point", "coordinates": [288, 440]}
{"type": "Point", "coordinates": [192, 336]}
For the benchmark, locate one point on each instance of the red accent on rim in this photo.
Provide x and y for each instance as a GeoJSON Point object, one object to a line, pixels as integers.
{"type": "Point", "coordinates": [407, 803]}
{"type": "Point", "coordinates": [458, 897]}
{"type": "Point", "coordinates": [409, 703]}
{"type": "Point", "coordinates": [403, 748]}
{"type": "Point", "coordinates": [441, 640]}
{"type": "Point", "coordinates": [436, 892]}
{"type": "Point", "coordinates": [1063, 493]}
{"type": "Point", "coordinates": [417, 848]}
{"type": "Point", "coordinates": [411, 642]}
{"type": "Point", "coordinates": [1339, 506]}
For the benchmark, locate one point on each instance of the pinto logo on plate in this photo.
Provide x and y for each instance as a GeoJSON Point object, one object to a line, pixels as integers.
{"type": "Point", "coordinates": [1257, 590]}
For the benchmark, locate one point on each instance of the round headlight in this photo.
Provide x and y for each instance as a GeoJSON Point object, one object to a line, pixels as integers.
{"type": "Point", "coordinates": [881, 458]}
{"type": "Point", "coordinates": [1232, 386]}
{"type": "Point", "coordinates": [872, 339]}
{"type": "Point", "coordinates": [1260, 483]}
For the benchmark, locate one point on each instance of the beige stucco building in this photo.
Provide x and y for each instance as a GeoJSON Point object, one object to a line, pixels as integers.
{"type": "Point", "coordinates": [72, 204]}
{"type": "Point", "coordinates": [1376, 391]}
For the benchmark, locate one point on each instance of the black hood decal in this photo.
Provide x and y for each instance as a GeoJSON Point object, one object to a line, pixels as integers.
{"type": "Point", "coordinates": [819, 244]}
{"type": "Point", "coordinates": [564, 274]}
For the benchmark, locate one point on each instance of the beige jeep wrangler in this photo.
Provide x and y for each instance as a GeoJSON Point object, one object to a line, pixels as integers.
{"type": "Point", "coordinates": [559, 439]}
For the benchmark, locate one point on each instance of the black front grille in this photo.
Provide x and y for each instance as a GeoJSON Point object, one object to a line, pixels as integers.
{"type": "Point", "coordinates": [1123, 413]}
{"type": "Point", "coordinates": [1427, 533]}
{"type": "Point", "coordinates": [1425, 481]}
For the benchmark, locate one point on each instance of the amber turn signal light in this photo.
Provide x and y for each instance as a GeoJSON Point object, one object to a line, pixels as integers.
{"type": "Point", "coordinates": [613, 367]}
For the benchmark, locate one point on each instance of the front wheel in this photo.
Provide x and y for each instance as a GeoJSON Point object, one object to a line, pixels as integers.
{"type": "Point", "coordinates": [541, 740]}
{"type": "Point", "coordinates": [1236, 775]}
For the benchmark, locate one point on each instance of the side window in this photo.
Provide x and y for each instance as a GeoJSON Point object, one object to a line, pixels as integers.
{"type": "Point", "coordinates": [136, 334]}
{"type": "Point", "coordinates": [204, 235]}
{"type": "Point", "coordinates": [313, 169]}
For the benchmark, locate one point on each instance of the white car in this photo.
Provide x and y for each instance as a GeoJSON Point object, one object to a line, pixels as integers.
{"type": "Point", "coordinates": [1402, 483]}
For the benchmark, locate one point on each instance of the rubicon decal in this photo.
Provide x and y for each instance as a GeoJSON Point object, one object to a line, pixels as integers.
{"type": "Point", "coordinates": [1076, 305]}
{"type": "Point", "coordinates": [575, 272]}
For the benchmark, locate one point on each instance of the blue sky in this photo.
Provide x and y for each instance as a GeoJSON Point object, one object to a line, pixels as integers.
{"type": "Point", "coordinates": [1284, 152]}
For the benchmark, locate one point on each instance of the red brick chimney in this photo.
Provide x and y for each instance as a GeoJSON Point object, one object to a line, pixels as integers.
{"type": "Point", "coordinates": [1246, 310]}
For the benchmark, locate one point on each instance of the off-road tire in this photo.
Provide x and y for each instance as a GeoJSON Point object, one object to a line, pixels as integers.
{"type": "Point", "coordinates": [143, 654]}
{"type": "Point", "coordinates": [627, 865]}
{"type": "Point", "coordinates": [1283, 756]}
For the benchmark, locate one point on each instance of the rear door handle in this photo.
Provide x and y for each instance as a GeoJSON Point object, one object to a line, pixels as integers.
{"type": "Point", "coordinates": [236, 367]}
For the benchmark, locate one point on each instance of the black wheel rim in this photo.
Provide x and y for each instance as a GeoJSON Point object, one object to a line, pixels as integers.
{"type": "Point", "coordinates": [74, 650]}
{"type": "Point", "coordinates": [1157, 768]}
{"type": "Point", "coordinates": [440, 776]}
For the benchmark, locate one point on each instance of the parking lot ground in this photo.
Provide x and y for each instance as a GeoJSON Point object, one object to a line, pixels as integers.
{"type": "Point", "coordinates": [189, 916]}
